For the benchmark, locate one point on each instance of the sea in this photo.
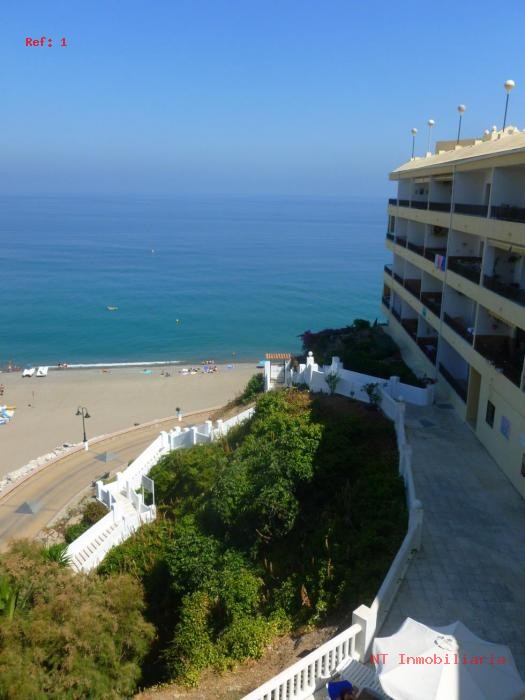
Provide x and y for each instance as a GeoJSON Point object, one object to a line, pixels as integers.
{"type": "Point", "coordinates": [195, 278]}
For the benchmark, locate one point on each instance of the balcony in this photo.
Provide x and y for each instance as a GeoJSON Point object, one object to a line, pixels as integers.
{"type": "Point", "coordinates": [388, 270]}
{"type": "Point", "coordinates": [390, 236]}
{"type": "Point", "coordinates": [471, 209]}
{"type": "Point", "coordinates": [392, 200]}
{"type": "Point", "coordinates": [468, 267]}
{"type": "Point", "coordinates": [396, 314]}
{"type": "Point", "coordinates": [416, 248]}
{"type": "Point", "coordinates": [413, 286]}
{"type": "Point", "coordinates": [499, 350]}
{"type": "Point", "coordinates": [439, 206]}
{"type": "Point", "coordinates": [397, 278]}
{"type": "Point", "coordinates": [400, 240]}
{"type": "Point", "coordinates": [458, 325]}
{"type": "Point", "coordinates": [403, 202]}
{"type": "Point", "coordinates": [432, 300]}
{"type": "Point", "coordinates": [430, 253]}
{"type": "Point", "coordinates": [429, 347]}
{"type": "Point", "coordinates": [460, 386]}
{"type": "Point", "coordinates": [509, 290]}
{"type": "Point", "coordinates": [410, 325]}
{"type": "Point", "coordinates": [508, 213]}
{"type": "Point", "coordinates": [386, 300]}
{"type": "Point", "coordinates": [416, 204]}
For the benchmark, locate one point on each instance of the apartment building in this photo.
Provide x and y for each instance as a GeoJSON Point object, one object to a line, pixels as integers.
{"type": "Point", "coordinates": [454, 293]}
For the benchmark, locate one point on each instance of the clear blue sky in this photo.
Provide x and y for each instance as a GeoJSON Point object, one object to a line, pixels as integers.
{"type": "Point", "coordinates": [244, 96]}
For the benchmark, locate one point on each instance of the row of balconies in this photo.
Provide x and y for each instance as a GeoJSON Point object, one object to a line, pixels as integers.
{"type": "Point", "coordinates": [469, 267]}
{"type": "Point", "coordinates": [505, 350]}
{"type": "Point", "coordinates": [503, 212]}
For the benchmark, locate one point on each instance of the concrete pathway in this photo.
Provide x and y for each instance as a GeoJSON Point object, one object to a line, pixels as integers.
{"type": "Point", "coordinates": [471, 566]}
{"type": "Point", "coordinates": [50, 490]}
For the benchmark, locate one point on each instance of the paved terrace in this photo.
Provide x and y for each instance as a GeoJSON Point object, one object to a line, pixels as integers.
{"type": "Point", "coordinates": [471, 566]}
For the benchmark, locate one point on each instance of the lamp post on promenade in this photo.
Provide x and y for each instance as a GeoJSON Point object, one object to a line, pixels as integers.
{"type": "Point", "coordinates": [431, 123]}
{"type": "Point", "coordinates": [509, 87]}
{"type": "Point", "coordinates": [461, 109]}
{"type": "Point", "coordinates": [413, 132]}
{"type": "Point", "coordinates": [82, 411]}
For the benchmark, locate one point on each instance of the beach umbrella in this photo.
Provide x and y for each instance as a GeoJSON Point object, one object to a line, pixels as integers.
{"type": "Point", "coordinates": [445, 663]}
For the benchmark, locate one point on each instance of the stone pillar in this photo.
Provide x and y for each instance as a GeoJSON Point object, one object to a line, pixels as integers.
{"type": "Point", "coordinates": [393, 387]}
{"type": "Point", "coordinates": [209, 429]}
{"type": "Point", "coordinates": [193, 435]}
{"type": "Point", "coordinates": [220, 427]}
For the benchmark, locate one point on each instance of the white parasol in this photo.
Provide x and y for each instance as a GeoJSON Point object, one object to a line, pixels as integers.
{"type": "Point", "coordinates": [445, 663]}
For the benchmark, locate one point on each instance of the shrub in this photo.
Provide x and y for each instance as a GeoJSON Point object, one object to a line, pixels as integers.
{"type": "Point", "coordinates": [71, 635]}
{"type": "Point", "coordinates": [253, 388]}
{"type": "Point", "coordinates": [73, 531]}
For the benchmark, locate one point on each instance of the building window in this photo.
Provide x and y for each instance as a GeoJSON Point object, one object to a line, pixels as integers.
{"type": "Point", "coordinates": [491, 411]}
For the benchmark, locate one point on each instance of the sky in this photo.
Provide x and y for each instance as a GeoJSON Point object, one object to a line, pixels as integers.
{"type": "Point", "coordinates": [244, 97]}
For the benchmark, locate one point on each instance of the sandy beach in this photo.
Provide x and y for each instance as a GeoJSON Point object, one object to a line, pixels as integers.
{"type": "Point", "coordinates": [116, 399]}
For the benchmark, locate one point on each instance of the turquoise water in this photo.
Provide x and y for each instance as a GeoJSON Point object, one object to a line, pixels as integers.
{"type": "Point", "coordinates": [242, 276]}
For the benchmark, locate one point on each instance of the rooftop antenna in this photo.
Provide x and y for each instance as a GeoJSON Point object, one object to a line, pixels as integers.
{"type": "Point", "coordinates": [431, 123]}
{"type": "Point", "coordinates": [413, 131]}
{"type": "Point", "coordinates": [461, 109]}
{"type": "Point", "coordinates": [509, 87]}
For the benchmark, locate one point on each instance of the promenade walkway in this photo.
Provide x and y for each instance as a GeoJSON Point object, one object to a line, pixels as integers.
{"type": "Point", "coordinates": [51, 489]}
{"type": "Point", "coordinates": [471, 566]}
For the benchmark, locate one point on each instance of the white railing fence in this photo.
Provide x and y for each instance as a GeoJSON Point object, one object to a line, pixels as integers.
{"type": "Point", "coordinates": [301, 680]}
{"type": "Point", "coordinates": [127, 509]}
{"type": "Point", "coordinates": [306, 676]}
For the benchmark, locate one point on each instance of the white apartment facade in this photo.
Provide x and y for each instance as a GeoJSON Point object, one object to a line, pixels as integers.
{"type": "Point", "coordinates": [454, 294]}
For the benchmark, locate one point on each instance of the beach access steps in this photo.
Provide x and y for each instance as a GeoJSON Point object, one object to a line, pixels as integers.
{"type": "Point", "coordinates": [127, 509]}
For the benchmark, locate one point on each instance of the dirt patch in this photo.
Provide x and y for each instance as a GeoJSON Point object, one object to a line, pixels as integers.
{"type": "Point", "coordinates": [245, 677]}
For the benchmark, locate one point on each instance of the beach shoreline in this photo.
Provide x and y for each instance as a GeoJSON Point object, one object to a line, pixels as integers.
{"type": "Point", "coordinates": [116, 398]}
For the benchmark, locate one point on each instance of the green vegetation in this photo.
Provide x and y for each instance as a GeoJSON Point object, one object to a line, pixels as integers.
{"type": "Point", "coordinates": [93, 512]}
{"type": "Point", "coordinates": [64, 635]}
{"type": "Point", "coordinates": [253, 388]}
{"type": "Point", "coordinates": [297, 513]}
{"type": "Point", "coordinates": [265, 531]}
{"type": "Point", "coordinates": [362, 347]}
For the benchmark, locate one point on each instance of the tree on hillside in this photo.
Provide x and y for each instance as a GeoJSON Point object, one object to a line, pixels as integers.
{"type": "Point", "coordinates": [69, 635]}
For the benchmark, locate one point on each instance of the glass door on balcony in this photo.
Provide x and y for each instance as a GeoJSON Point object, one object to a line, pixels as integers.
{"type": "Point", "coordinates": [474, 386]}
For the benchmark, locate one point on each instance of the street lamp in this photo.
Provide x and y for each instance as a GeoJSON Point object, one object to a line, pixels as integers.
{"type": "Point", "coordinates": [461, 109]}
{"type": "Point", "coordinates": [509, 87]}
{"type": "Point", "coordinates": [82, 411]}
{"type": "Point", "coordinates": [431, 123]}
{"type": "Point", "coordinates": [414, 132]}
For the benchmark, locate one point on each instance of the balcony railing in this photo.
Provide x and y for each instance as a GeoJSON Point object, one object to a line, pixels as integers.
{"type": "Point", "coordinates": [401, 240]}
{"type": "Point", "coordinates": [388, 270]}
{"type": "Point", "coordinates": [468, 267]}
{"type": "Point", "coordinates": [465, 330]}
{"type": "Point", "coordinates": [418, 204]}
{"type": "Point", "coordinates": [392, 200]}
{"type": "Point", "coordinates": [432, 300]}
{"type": "Point", "coordinates": [410, 325]}
{"type": "Point", "coordinates": [471, 209]}
{"type": "Point", "coordinates": [429, 347]}
{"type": "Point", "coordinates": [430, 253]}
{"type": "Point", "coordinates": [390, 236]}
{"type": "Point", "coordinates": [508, 213]}
{"type": "Point", "coordinates": [413, 286]}
{"type": "Point", "coordinates": [396, 314]}
{"type": "Point", "coordinates": [419, 249]}
{"type": "Point", "coordinates": [509, 290]}
{"type": "Point", "coordinates": [439, 206]}
{"type": "Point", "coordinates": [459, 385]}
{"type": "Point", "coordinates": [397, 278]}
{"type": "Point", "coordinates": [403, 202]}
{"type": "Point", "coordinates": [499, 350]}
{"type": "Point", "coordinates": [386, 301]}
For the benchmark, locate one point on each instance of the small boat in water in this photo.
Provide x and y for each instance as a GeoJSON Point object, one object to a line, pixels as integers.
{"type": "Point", "coordinates": [112, 308]}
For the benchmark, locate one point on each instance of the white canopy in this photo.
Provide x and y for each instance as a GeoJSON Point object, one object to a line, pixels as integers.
{"type": "Point", "coordinates": [445, 663]}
